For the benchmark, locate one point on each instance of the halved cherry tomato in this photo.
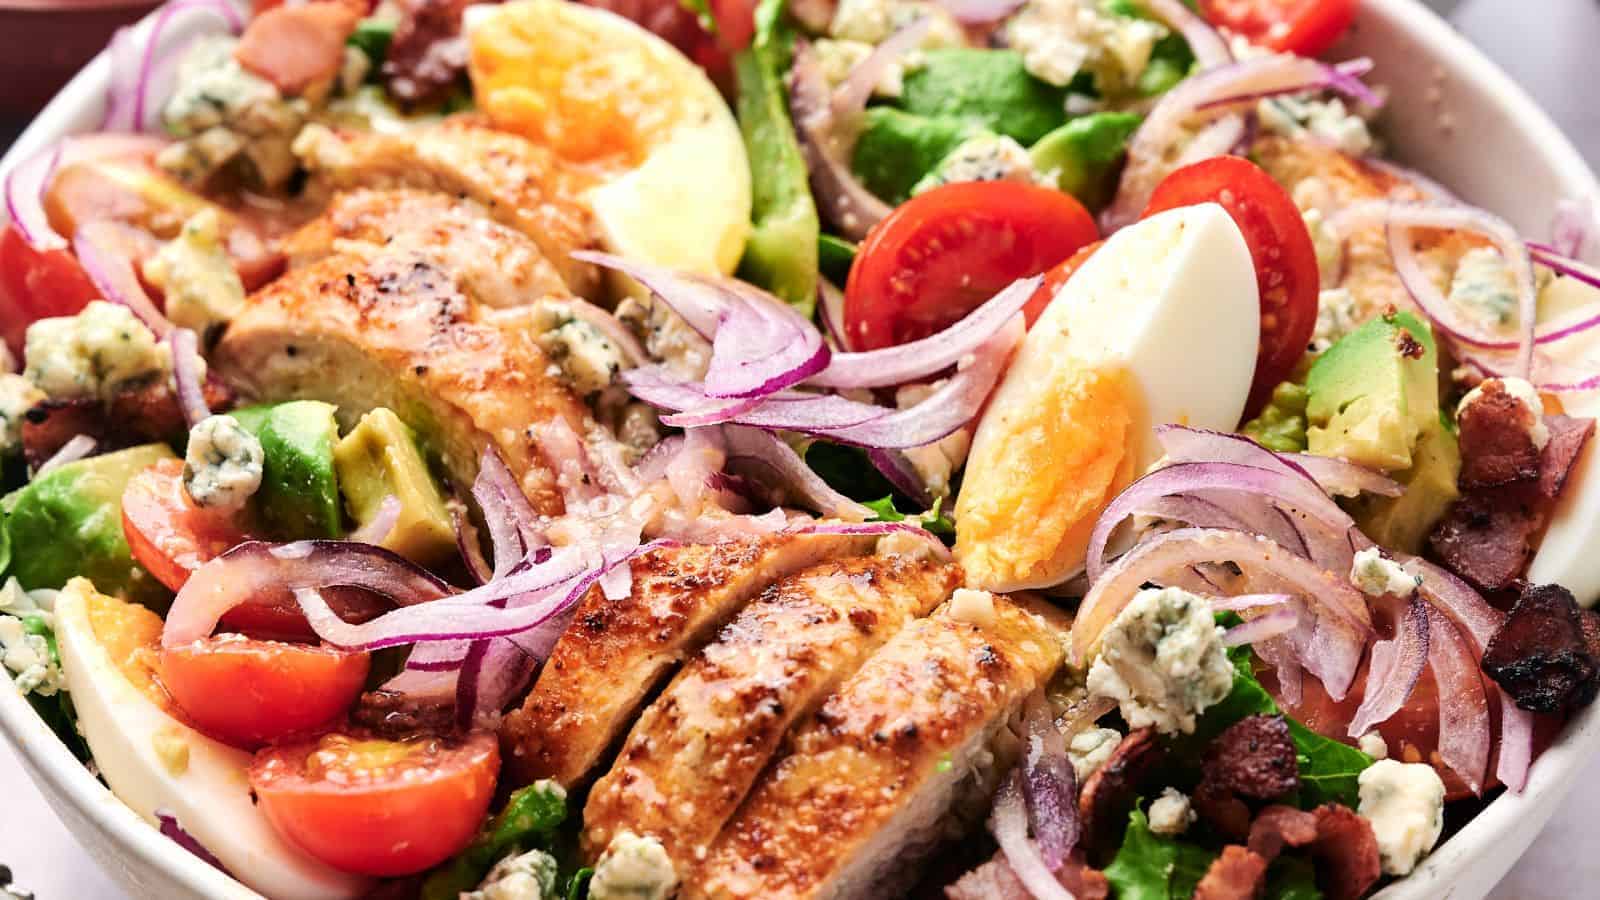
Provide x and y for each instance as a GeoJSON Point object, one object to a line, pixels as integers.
{"type": "Point", "coordinates": [36, 286]}
{"type": "Point", "coordinates": [169, 535]}
{"type": "Point", "coordinates": [1280, 246]}
{"type": "Point", "coordinates": [1055, 278]}
{"type": "Point", "coordinates": [248, 693]}
{"type": "Point", "coordinates": [942, 253]}
{"type": "Point", "coordinates": [1306, 27]}
{"type": "Point", "coordinates": [378, 807]}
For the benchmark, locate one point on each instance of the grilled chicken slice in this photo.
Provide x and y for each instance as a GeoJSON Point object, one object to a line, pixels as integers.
{"type": "Point", "coordinates": [396, 330]}
{"type": "Point", "coordinates": [617, 651]}
{"type": "Point", "coordinates": [497, 265]}
{"type": "Point", "coordinates": [524, 186]}
{"type": "Point", "coordinates": [695, 752]}
{"type": "Point", "coordinates": [864, 791]}
{"type": "Point", "coordinates": [1322, 178]}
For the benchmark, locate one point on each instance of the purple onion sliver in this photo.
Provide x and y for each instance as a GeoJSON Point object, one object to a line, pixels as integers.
{"type": "Point", "coordinates": [77, 447]}
{"type": "Point", "coordinates": [24, 189]}
{"type": "Point", "coordinates": [112, 272]}
{"type": "Point", "coordinates": [851, 97]}
{"type": "Point", "coordinates": [1260, 628]}
{"type": "Point", "coordinates": [980, 12]}
{"type": "Point", "coordinates": [170, 827]}
{"type": "Point", "coordinates": [897, 469]}
{"type": "Point", "coordinates": [1395, 666]}
{"type": "Point", "coordinates": [1250, 601]}
{"type": "Point", "coordinates": [1049, 785]}
{"type": "Point", "coordinates": [185, 348]}
{"type": "Point", "coordinates": [1009, 824]}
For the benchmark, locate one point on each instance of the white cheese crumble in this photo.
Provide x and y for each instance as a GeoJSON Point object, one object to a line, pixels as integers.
{"type": "Point", "coordinates": [1405, 804]}
{"type": "Point", "coordinates": [93, 353]}
{"type": "Point", "coordinates": [937, 462]}
{"type": "Point", "coordinates": [837, 57]}
{"type": "Point", "coordinates": [17, 396]}
{"type": "Point", "coordinates": [972, 607]}
{"type": "Point", "coordinates": [222, 465]}
{"type": "Point", "coordinates": [633, 868]}
{"type": "Point", "coordinates": [1375, 575]}
{"type": "Point", "coordinates": [1090, 749]}
{"type": "Point", "coordinates": [1330, 250]}
{"type": "Point", "coordinates": [1484, 286]}
{"type": "Point", "coordinates": [1373, 745]}
{"type": "Point", "coordinates": [1336, 317]}
{"type": "Point", "coordinates": [1162, 660]}
{"type": "Point", "coordinates": [24, 648]}
{"type": "Point", "coordinates": [1060, 38]}
{"type": "Point", "coordinates": [1170, 813]}
{"type": "Point", "coordinates": [1524, 393]}
{"type": "Point", "coordinates": [873, 21]}
{"type": "Point", "coordinates": [666, 336]}
{"type": "Point", "coordinates": [982, 157]}
{"type": "Point", "coordinates": [203, 291]}
{"type": "Point", "coordinates": [220, 112]}
{"type": "Point", "coordinates": [586, 358]}
{"type": "Point", "coordinates": [1327, 121]}
{"type": "Point", "coordinates": [526, 876]}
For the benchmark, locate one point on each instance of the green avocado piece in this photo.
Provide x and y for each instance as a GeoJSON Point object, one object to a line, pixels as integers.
{"type": "Point", "coordinates": [1281, 426]}
{"type": "Point", "coordinates": [68, 522]}
{"type": "Point", "coordinates": [1374, 393]}
{"type": "Point", "coordinates": [897, 148]}
{"type": "Point", "coordinates": [379, 458]}
{"type": "Point", "coordinates": [1083, 153]}
{"type": "Point", "coordinates": [987, 88]}
{"type": "Point", "coordinates": [299, 496]}
{"type": "Point", "coordinates": [1404, 522]}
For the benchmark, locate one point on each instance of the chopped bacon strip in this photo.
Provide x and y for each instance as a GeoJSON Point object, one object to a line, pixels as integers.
{"type": "Point", "coordinates": [1238, 874]}
{"type": "Point", "coordinates": [1487, 537]}
{"type": "Point", "coordinates": [297, 47]}
{"type": "Point", "coordinates": [994, 880]}
{"type": "Point", "coordinates": [1278, 826]}
{"type": "Point", "coordinates": [1346, 852]}
{"type": "Point", "coordinates": [428, 52]}
{"type": "Point", "coordinates": [1109, 793]}
{"type": "Point", "coordinates": [1567, 437]}
{"type": "Point", "coordinates": [1496, 447]}
{"type": "Point", "coordinates": [395, 716]}
{"type": "Point", "coordinates": [1540, 655]}
{"type": "Point", "coordinates": [1254, 757]}
{"type": "Point", "coordinates": [136, 415]}
{"type": "Point", "coordinates": [1221, 809]}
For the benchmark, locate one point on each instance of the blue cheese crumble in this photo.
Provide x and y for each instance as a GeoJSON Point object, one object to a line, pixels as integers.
{"type": "Point", "coordinates": [17, 396]}
{"type": "Point", "coordinates": [584, 356]}
{"type": "Point", "coordinates": [202, 289]}
{"type": "Point", "coordinates": [982, 157]}
{"type": "Point", "coordinates": [1376, 575]}
{"type": "Point", "coordinates": [222, 113]}
{"type": "Point", "coordinates": [1170, 814]}
{"type": "Point", "coordinates": [1090, 749]}
{"type": "Point", "coordinates": [633, 868]}
{"type": "Point", "coordinates": [1484, 286]}
{"type": "Point", "coordinates": [25, 625]}
{"type": "Point", "coordinates": [93, 354]}
{"type": "Point", "coordinates": [1336, 317]}
{"type": "Point", "coordinates": [1162, 660]}
{"type": "Point", "coordinates": [526, 876]}
{"type": "Point", "coordinates": [1405, 804]}
{"type": "Point", "coordinates": [1060, 38]}
{"type": "Point", "coordinates": [873, 21]}
{"type": "Point", "coordinates": [1326, 121]}
{"type": "Point", "coordinates": [222, 465]}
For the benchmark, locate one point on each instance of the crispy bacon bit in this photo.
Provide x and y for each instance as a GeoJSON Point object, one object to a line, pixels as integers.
{"type": "Point", "coordinates": [1254, 757]}
{"type": "Point", "coordinates": [1110, 792]}
{"type": "Point", "coordinates": [994, 880]}
{"type": "Point", "coordinates": [297, 47]}
{"type": "Point", "coordinates": [1567, 437]}
{"type": "Point", "coordinates": [1280, 826]}
{"type": "Point", "coordinates": [136, 415]}
{"type": "Point", "coordinates": [1539, 655]}
{"type": "Point", "coordinates": [1221, 809]}
{"type": "Point", "coordinates": [1487, 537]}
{"type": "Point", "coordinates": [395, 716]}
{"type": "Point", "coordinates": [428, 52]}
{"type": "Point", "coordinates": [1408, 346]}
{"type": "Point", "coordinates": [1238, 874]}
{"type": "Point", "coordinates": [1346, 852]}
{"type": "Point", "coordinates": [1496, 448]}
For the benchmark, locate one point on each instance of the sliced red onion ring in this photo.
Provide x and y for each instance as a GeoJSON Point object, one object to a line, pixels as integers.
{"type": "Point", "coordinates": [633, 352]}
{"type": "Point", "coordinates": [1250, 601]}
{"type": "Point", "coordinates": [1260, 628]}
{"type": "Point", "coordinates": [468, 543]}
{"type": "Point", "coordinates": [851, 97]}
{"type": "Point", "coordinates": [101, 250]}
{"type": "Point", "coordinates": [980, 12]}
{"type": "Point", "coordinates": [1343, 478]}
{"type": "Point", "coordinates": [762, 346]}
{"type": "Point", "coordinates": [1394, 668]}
{"type": "Point", "coordinates": [920, 359]}
{"type": "Point", "coordinates": [1049, 784]}
{"type": "Point", "coordinates": [1463, 706]}
{"type": "Point", "coordinates": [1009, 823]}
{"type": "Point", "coordinates": [842, 197]}
{"type": "Point", "coordinates": [255, 568]}
{"type": "Point", "coordinates": [513, 524]}
{"type": "Point", "coordinates": [781, 467]}
{"type": "Point", "coordinates": [699, 299]}
{"type": "Point", "coordinates": [1184, 444]}
{"type": "Point", "coordinates": [830, 308]}
{"type": "Point", "coordinates": [422, 684]}
{"type": "Point", "coordinates": [1343, 77]}
{"type": "Point", "coordinates": [25, 187]}
{"type": "Point", "coordinates": [175, 25]}
{"type": "Point", "coordinates": [492, 674]}
{"type": "Point", "coordinates": [1572, 267]}
{"type": "Point", "coordinates": [652, 466]}
{"type": "Point", "coordinates": [787, 410]}
{"type": "Point", "coordinates": [169, 826]}
{"type": "Point", "coordinates": [77, 447]}
{"type": "Point", "coordinates": [382, 524]}
{"type": "Point", "coordinates": [690, 470]}
{"type": "Point", "coordinates": [185, 347]}
{"type": "Point", "coordinates": [1572, 226]}
{"type": "Point", "coordinates": [1208, 46]}
{"type": "Point", "coordinates": [897, 468]}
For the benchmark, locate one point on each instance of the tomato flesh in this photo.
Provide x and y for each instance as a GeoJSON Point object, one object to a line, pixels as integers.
{"type": "Point", "coordinates": [1055, 279]}
{"type": "Point", "coordinates": [1306, 27]}
{"type": "Point", "coordinates": [35, 285]}
{"type": "Point", "coordinates": [1280, 247]}
{"type": "Point", "coordinates": [169, 535]}
{"type": "Point", "coordinates": [378, 807]}
{"type": "Point", "coordinates": [943, 253]}
{"type": "Point", "coordinates": [248, 693]}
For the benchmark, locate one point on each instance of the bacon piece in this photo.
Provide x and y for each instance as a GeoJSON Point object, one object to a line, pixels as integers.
{"type": "Point", "coordinates": [297, 47]}
{"type": "Point", "coordinates": [1496, 448]}
{"type": "Point", "coordinates": [1110, 791]}
{"type": "Point", "coordinates": [1346, 852]}
{"type": "Point", "coordinates": [1540, 655]}
{"type": "Point", "coordinates": [1487, 537]}
{"type": "Point", "coordinates": [994, 880]}
{"type": "Point", "coordinates": [138, 414]}
{"type": "Point", "coordinates": [1254, 757]}
{"type": "Point", "coordinates": [1567, 437]}
{"type": "Point", "coordinates": [395, 716]}
{"type": "Point", "coordinates": [1280, 826]}
{"type": "Point", "coordinates": [428, 52]}
{"type": "Point", "coordinates": [1238, 874]}
{"type": "Point", "coordinates": [1222, 809]}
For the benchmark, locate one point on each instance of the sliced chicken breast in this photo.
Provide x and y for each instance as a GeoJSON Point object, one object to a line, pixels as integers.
{"type": "Point", "coordinates": [694, 753]}
{"type": "Point", "coordinates": [864, 792]}
{"type": "Point", "coordinates": [617, 651]}
{"type": "Point", "coordinates": [396, 330]}
{"type": "Point", "coordinates": [524, 186]}
{"type": "Point", "coordinates": [497, 265]}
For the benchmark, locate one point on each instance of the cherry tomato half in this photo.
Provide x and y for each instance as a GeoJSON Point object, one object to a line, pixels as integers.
{"type": "Point", "coordinates": [943, 253]}
{"type": "Point", "coordinates": [248, 693]}
{"type": "Point", "coordinates": [1306, 27]}
{"type": "Point", "coordinates": [35, 285]}
{"type": "Point", "coordinates": [378, 807]}
{"type": "Point", "coordinates": [169, 535]}
{"type": "Point", "coordinates": [1280, 246]}
{"type": "Point", "coordinates": [1055, 278]}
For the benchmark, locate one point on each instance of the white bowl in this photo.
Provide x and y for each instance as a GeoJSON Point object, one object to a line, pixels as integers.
{"type": "Point", "coordinates": [1451, 114]}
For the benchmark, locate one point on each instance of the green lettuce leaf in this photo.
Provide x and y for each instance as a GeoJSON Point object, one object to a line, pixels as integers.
{"type": "Point", "coordinates": [1151, 867]}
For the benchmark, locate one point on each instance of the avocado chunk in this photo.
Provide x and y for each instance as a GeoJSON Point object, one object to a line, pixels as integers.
{"type": "Point", "coordinates": [1281, 426]}
{"type": "Point", "coordinates": [1082, 154]}
{"type": "Point", "coordinates": [379, 458]}
{"type": "Point", "coordinates": [1404, 522]}
{"type": "Point", "coordinates": [987, 88]}
{"type": "Point", "coordinates": [896, 149]}
{"type": "Point", "coordinates": [299, 496]}
{"type": "Point", "coordinates": [68, 522]}
{"type": "Point", "coordinates": [1374, 393]}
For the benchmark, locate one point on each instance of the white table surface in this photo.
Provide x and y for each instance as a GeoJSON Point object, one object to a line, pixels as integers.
{"type": "Point", "coordinates": [1549, 46]}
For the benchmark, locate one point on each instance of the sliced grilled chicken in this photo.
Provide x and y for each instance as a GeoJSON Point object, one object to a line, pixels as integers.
{"type": "Point", "coordinates": [866, 787]}
{"type": "Point", "coordinates": [396, 330]}
{"type": "Point", "coordinates": [694, 753]}
{"type": "Point", "coordinates": [617, 651]}
{"type": "Point", "coordinates": [523, 185]}
{"type": "Point", "coordinates": [497, 265]}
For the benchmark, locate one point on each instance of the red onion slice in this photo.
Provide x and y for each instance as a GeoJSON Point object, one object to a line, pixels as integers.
{"type": "Point", "coordinates": [1260, 628]}
{"type": "Point", "coordinates": [1009, 823]}
{"type": "Point", "coordinates": [25, 187]}
{"type": "Point", "coordinates": [780, 466]}
{"type": "Point", "coordinates": [841, 196]}
{"type": "Point", "coordinates": [830, 308]}
{"type": "Point", "coordinates": [1572, 225]}
{"type": "Point", "coordinates": [897, 468]}
{"type": "Point", "coordinates": [762, 345]}
{"type": "Point", "coordinates": [851, 97]}
{"type": "Point", "coordinates": [513, 524]}
{"type": "Point", "coordinates": [101, 248]}
{"type": "Point", "coordinates": [140, 90]}
{"type": "Point", "coordinates": [1049, 784]}
{"type": "Point", "coordinates": [690, 470]}
{"type": "Point", "coordinates": [926, 357]}
{"type": "Point", "coordinates": [786, 410]}
{"type": "Point", "coordinates": [1184, 444]}
{"type": "Point", "coordinates": [468, 544]}
{"type": "Point", "coordinates": [1250, 601]}
{"type": "Point", "coordinates": [1395, 666]}
{"type": "Point", "coordinates": [425, 685]}
{"type": "Point", "coordinates": [185, 348]}
{"type": "Point", "coordinates": [168, 825]}
{"type": "Point", "coordinates": [382, 525]}
{"type": "Point", "coordinates": [633, 352]}
{"type": "Point", "coordinates": [1463, 706]}
{"type": "Point", "coordinates": [1343, 478]}
{"type": "Point", "coordinates": [1205, 42]}
{"type": "Point", "coordinates": [77, 447]}
{"type": "Point", "coordinates": [700, 300]}
{"type": "Point", "coordinates": [980, 12]}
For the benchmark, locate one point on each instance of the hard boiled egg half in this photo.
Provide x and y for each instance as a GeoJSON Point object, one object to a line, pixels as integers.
{"type": "Point", "coordinates": [1160, 325]}
{"type": "Point", "coordinates": [672, 182]}
{"type": "Point", "coordinates": [152, 761]}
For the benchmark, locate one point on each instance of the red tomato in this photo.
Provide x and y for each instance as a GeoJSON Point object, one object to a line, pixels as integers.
{"type": "Point", "coordinates": [36, 285]}
{"type": "Point", "coordinates": [942, 253]}
{"type": "Point", "coordinates": [378, 807]}
{"type": "Point", "coordinates": [1280, 246]}
{"type": "Point", "coordinates": [169, 535]}
{"type": "Point", "coordinates": [1306, 27]}
{"type": "Point", "coordinates": [1055, 278]}
{"type": "Point", "coordinates": [248, 693]}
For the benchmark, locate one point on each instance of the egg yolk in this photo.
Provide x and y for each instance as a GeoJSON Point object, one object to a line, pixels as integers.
{"type": "Point", "coordinates": [131, 636]}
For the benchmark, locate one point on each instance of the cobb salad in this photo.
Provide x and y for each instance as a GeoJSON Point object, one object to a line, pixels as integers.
{"type": "Point", "coordinates": [834, 448]}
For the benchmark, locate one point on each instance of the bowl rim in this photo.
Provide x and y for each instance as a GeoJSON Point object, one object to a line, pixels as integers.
{"type": "Point", "coordinates": [80, 104]}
